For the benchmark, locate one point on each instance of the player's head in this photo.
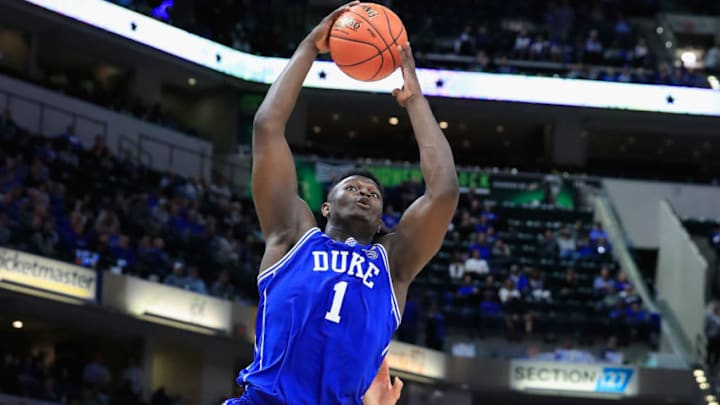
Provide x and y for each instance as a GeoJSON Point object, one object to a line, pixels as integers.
{"type": "Point", "coordinates": [356, 200]}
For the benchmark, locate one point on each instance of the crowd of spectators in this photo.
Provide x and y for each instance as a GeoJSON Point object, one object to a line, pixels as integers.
{"type": "Point", "coordinates": [64, 200]}
{"type": "Point", "coordinates": [489, 288]}
{"type": "Point", "coordinates": [575, 39]}
{"type": "Point", "coordinates": [76, 378]}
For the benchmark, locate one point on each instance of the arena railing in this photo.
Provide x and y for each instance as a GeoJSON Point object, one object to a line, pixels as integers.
{"type": "Point", "coordinates": [671, 330]}
{"type": "Point", "coordinates": [44, 109]}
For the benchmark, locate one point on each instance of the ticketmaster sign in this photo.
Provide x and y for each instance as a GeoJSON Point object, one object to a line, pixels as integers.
{"type": "Point", "coordinates": [595, 380]}
{"type": "Point", "coordinates": [40, 273]}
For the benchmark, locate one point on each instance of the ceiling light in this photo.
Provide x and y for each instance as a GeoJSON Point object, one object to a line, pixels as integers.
{"type": "Point", "coordinates": [17, 324]}
{"type": "Point", "coordinates": [393, 121]}
{"type": "Point", "coordinates": [192, 81]}
{"type": "Point", "coordinates": [700, 379]}
{"type": "Point", "coordinates": [668, 44]}
{"type": "Point", "coordinates": [335, 116]}
{"type": "Point", "coordinates": [500, 129]}
{"type": "Point", "coordinates": [704, 386]}
{"type": "Point", "coordinates": [688, 58]}
{"type": "Point", "coordinates": [317, 129]}
{"type": "Point", "coordinates": [443, 124]}
{"type": "Point", "coordinates": [352, 133]}
{"type": "Point", "coordinates": [698, 372]}
{"type": "Point", "coordinates": [660, 30]}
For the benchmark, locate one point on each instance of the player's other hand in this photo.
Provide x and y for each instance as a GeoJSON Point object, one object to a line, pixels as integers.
{"type": "Point", "coordinates": [382, 391]}
{"type": "Point", "coordinates": [411, 87]}
{"type": "Point", "coordinates": [320, 35]}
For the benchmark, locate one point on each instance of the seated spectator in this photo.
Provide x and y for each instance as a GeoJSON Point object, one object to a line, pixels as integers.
{"type": "Point", "coordinates": [597, 232]}
{"type": "Point", "coordinates": [96, 374]}
{"type": "Point", "coordinates": [515, 310]}
{"type": "Point", "coordinates": [193, 282]}
{"type": "Point", "coordinates": [602, 248]}
{"type": "Point", "coordinates": [45, 240]}
{"type": "Point", "coordinates": [610, 353]}
{"type": "Point", "coordinates": [537, 287]}
{"type": "Point", "coordinates": [548, 246]}
{"type": "Point", "coordinates": [177, 277]}
{"type": "Point", "coordinates": [500, 253]}
{"type": "Point", "coordinates": [468, 289]}
{"type": "Point", "coordinates": [435, 333]}
{"type": "Point", "coordinates": [568, 353]}
{"type": "Point", "coordinates": [622, 282]}
{"type": "Point", "coordinates": [123, 254]}
{"type": "Point", "coordinates": [456, 268]}
{"type": "Point", "coordinates": [569, 285]}
{"type": "Point", "coordinates": [593, 48]}
{"type": "Point", "coordinates": [566, 244]}
{"type": "Point", "coordinates": [584, 247]}
{"type": "Point", "coordinates": [603, 283]}
{"type": "Point", "coordinates": [390, 219]}
{"type": "Point", "coordinates": [222, 287]}
{"type": "Point", "coordinates": [522, 45]}
{"type": "Point", "coordinates": [475, 265]}
{"type": "Point", "coordinates": [539, 48]}
{"type": "Point", "coordinates": [712, 58]}
{"type": "Point", "coordinates": [481, 246]}
{"type": "Point", "coordinates": [519, 278]}
{"type": "Point", "coordinates": [610, 301]}
{"type": "Point", "coordinates": [465, 43]}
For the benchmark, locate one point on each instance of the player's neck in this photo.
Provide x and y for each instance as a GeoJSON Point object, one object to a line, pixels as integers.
{"type": "Point", "coordinates": [342, 233]}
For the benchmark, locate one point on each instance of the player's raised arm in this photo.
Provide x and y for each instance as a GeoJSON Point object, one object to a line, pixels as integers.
{"type": "Point", "coordinates": [283, 215]}
{"type": "Point", "coordinates": [422, 227]}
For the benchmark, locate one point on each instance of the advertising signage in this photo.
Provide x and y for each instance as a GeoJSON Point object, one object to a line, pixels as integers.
{"type": "Point", "coordinates": [593, 380]}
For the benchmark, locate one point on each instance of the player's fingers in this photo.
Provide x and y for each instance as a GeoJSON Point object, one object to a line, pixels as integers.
{"type": "Point", "coordinates": [395, 92]}
{"type": "Point", "coordinates": [397, 387]}
{"type": "Point", "coordinates": [335, 14]}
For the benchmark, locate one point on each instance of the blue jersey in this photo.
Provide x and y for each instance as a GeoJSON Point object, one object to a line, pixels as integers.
{"type": "Point", "coordinates": [326, 315]}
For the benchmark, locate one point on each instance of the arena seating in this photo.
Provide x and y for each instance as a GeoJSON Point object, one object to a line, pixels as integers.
{"type": "Point", "coordinates": [574, 39]}
{"type": "Point", "coordinates": [83, 205]}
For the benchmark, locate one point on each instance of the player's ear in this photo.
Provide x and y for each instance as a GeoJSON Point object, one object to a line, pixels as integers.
{"type": "Point", "coordinates": [325, 209]}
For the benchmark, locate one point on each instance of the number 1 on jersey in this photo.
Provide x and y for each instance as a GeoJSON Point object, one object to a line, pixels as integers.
{"type": "Point", "coordinates": [333, 315]}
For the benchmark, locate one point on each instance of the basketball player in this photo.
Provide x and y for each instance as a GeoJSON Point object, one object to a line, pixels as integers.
{"type": "Point", "coordinates": [330, 301]}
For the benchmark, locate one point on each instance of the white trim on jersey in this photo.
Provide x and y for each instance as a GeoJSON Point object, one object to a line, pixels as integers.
{"type": "Point", "coordinates": [262, 337]}
{"type": "Point", "coordinates": [386, 350]}
{"type": "Point", "coordinates": [267, 272]}
{"type": "Point", "coordinates": [393, 299]}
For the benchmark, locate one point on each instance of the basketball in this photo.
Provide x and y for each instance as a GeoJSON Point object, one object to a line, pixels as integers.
{"type": "Point", "coordinates": [364, 41]}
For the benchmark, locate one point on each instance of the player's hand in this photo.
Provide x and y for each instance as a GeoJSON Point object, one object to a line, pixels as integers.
{"type": "Point", "coordinates": [411, 87]}
{"type": "Point", "coordinates": [382, 391]}
{"type": "Point", "coordinates": [320, 35]}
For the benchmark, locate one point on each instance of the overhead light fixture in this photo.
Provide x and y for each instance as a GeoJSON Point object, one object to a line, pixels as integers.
{"type": "Point", "coordinates": [659, 30]}
{"type": "Point", "coordinates": [698, 372]}
{"type": "Point", "coordinates": [700, 379]}
{"type": "Point", "coordinates": [499, 129]}
{"type": "Point", "coordinates": [393, 121]}
{"type": "Point", "coordinates": [704, 386]}
{"type": "Point", "coordinates": [192, 81]}
{"type": "Point", "coordinates": [335, 117]}
{"type": "Point", "coordinates": [17, 324]}
{"type": "Point", "coordinates": [317, 129]}
{"type": "Point", "coordinates": [668, 44]}
{"type": "Point", "coordinates": [443, 124]}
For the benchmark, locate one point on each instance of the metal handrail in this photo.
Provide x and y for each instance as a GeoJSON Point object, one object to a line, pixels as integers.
{"type": "Point", "coordinates": [136, 148]}
{"type": "Point", "coordinates": [43, 107]}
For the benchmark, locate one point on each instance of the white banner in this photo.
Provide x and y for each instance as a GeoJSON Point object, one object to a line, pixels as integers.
{"type": "Point", "coordinates": [46, 274]}
{"type": "Point", "coordinates": [573, 378]}
{"type": "Point", "coordinates": [158, 302]}
{"type": "Point", "coordinates": [417, 360]}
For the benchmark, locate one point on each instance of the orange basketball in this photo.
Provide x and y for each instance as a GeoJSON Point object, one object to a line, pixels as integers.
{"type": "Point", "coordinates": [364, 41]}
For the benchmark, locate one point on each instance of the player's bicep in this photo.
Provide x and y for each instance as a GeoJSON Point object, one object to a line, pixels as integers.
{"type": "Point", "coordinates": [420, 234]}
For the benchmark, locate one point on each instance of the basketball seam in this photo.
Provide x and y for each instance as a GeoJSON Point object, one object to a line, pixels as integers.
{"type": "Point", "coordinates": [379, 52]}
{"type": "Point", "coordinates": [387, 46]}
